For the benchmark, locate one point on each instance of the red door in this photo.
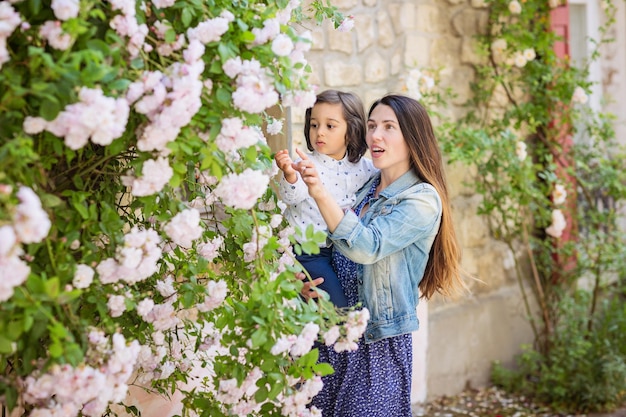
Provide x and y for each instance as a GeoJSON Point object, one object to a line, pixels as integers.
{"type": "Point", "coordinates": [559, 18]}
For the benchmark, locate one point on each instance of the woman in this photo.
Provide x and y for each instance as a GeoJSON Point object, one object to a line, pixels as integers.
{"type": "Point", "coordinates": [397, 244]}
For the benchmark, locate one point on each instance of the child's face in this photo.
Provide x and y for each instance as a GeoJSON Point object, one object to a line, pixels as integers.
{"type": "Point", "coordinates": [328, 130]}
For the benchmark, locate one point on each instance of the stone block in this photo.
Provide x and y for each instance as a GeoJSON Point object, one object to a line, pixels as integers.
{"type": "Point", "coordinates": [472, 230]}
{"type": "Point", "coordinates": [428, 18]}
{"type": "Point", "coordinates": [465, 22]}
{"type": "Point", "coordinates": [417, 51]}
{"type": "Point", "coordinates": [340, 74]}
{"type": "Point", "coordinates": [402, 16]}
{"type": "Point", "coordinates": [364, 28]}
{"type": "Point", "coordinates": [445, 51]}
{"type": "Point", "coordinates": [386, 35]}
{"type": "Point", "coordinates": [371, 95]}
{"type": "Point", "coordinates": [340, 41]}
{"type": "Point", "coordinates": [397, 62]}
{"type": "Point", "coordinates": [318, 43]}
{"type": "Point", "coordinates": [345, 4]}
{"type": "Point", "coordinates": [376, 69]}
{"type": "Point", "coordinates": [469, 51]}
{"type": "Point", "coordinates": [457, 175]}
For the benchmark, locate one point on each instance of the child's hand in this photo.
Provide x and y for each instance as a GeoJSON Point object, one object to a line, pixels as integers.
{"type": "Point", "coordinates": [284, 162]}
{"type": "Point", "coordinates": [309, 175]}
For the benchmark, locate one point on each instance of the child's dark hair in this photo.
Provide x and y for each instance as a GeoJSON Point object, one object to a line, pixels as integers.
{"type": "Point", "coordinates": [353, 112]}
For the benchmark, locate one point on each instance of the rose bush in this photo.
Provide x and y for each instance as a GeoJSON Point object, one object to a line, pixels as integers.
{"type": "Point", "coordinates": [140, 241]}
{"type": "Point", "coordinates": [549, 173]}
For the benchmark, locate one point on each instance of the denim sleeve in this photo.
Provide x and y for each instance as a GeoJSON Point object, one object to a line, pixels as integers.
{"type": "Point", "coordinates": [396, 226]}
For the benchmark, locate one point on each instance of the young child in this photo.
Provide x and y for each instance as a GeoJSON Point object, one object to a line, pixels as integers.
{"type": "Point", "coordinates": [334, 129]}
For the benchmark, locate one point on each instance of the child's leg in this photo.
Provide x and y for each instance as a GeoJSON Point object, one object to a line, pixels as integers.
{"type": "Point", "coordinates": [320, 266]}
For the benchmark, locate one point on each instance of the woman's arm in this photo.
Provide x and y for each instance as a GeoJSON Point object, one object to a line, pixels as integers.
{"type": "Point", "coordinates": [414, 218]}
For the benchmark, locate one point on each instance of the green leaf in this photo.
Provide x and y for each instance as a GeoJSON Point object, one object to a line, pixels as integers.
{"type": "Point", "coordinates": [223, 96]}
{"type": "Point", "coordinates": [261, 394]}
{"type": "Point", "coordinates": [186, 16]}
{"type": "Point", "coordinates": [50, 108]}
{"type": "Point", "coordinates": [52, 287]}
{"type": "Point", "coordinates": [6, 344]}
{"type": "Point", "coordinates": [259, 337]}
{"type": "Point", "coordinates": [323, 369]}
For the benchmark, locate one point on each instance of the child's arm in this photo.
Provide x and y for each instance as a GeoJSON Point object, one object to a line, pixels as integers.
{"type": "Point", "coordinates": [283, 160]}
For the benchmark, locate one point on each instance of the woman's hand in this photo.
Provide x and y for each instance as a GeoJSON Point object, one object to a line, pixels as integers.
{"type": "Point", "coordinates": [308, 289]}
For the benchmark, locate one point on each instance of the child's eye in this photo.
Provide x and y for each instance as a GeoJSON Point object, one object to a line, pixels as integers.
{"type": "Point", "coordinates": [314, 125]}
{"type": "Point", "coordinates": [330, 127]}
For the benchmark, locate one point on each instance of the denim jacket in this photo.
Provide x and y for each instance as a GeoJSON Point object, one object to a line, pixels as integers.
{"type": "Point", "coordinates": [390, 245]}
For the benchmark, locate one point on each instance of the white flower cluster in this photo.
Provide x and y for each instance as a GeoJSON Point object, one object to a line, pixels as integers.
{"type": "Point", "coordinates": [300, 100]}
{"type": "Point", "coordinates": [234, 135]}
{"type": "Point", "coordinates": [216, 294]}
{"type": "Point", "coordinates": [9, 21]}
{"type": "Point", "coordinates": [155, 174]}
{"type": "Point", "coordinates": [255, 90]}
{"type": "Point", "coordinates": [258, 240]}
{"type": "Point", "coordinates": [518, 58]}
{"type": "Point", "coordinates": [242, 190]}
{"type": "Point", "coordinates": [96, 116]}
{"type": "Point", "coordinates": [30, 224]}
{"type": "Point", "coordinates": [53, 33]}
{"type": "Point", "coordinates": [515, 7]}
{"type": "Point", "coordinates": [297, 345]}
{"type": "Point", "coordinates": [417, 83]}
{"type": "Point", "coordinates": [579, 95]}
{"type": "Point", "coordinates": [520, 150]}
{"type": "Point", "coordinates": [88, 388]}
{"type": "Point", "coordinates": [135, 261]}
{"type": "Point", "coordinates": [169, 99]}
{"type": "Point", "coordinates": [303, 392]}
{"type": "Point", "coordinates": [184, 228]}
{"type": "Point", "coordinates": [211, 249]}
{"type": "Point", "coordinates": [347, 24]}
{"type": "Point", "coordinates": [353, 329]}
{"type": "Point", "coordinates": [241, 399]}
{"type": "Point", "coordinates": [211, 30]}
{"type": "Point", "coordinates": [559, 223]}
{"type": "Point", "coordinates": [126, 25]}
{"type": "Point", "coordinates": [274, 126]}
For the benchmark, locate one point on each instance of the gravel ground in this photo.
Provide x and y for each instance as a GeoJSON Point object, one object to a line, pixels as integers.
{"type": "Point", "coordinates": [492, 402]}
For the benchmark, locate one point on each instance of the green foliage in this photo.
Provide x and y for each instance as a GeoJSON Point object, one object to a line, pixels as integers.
{"type": "Point", "coordinates": [222, 310]}
{"type": "Point", "coordinates": [550, 175]}
{"type": "Point", "coordinates": [585, 370]}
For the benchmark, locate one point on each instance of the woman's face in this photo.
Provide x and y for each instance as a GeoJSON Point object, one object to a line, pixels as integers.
{"type": "Point", "coordinates": [385, 140]}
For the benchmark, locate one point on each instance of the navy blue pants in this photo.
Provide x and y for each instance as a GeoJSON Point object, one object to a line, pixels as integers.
{"type": "Point", "coordinates": [320, 265]}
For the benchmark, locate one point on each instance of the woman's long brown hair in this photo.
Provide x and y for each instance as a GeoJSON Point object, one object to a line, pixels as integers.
{"type": "Point", "coordinates": [443, 270]}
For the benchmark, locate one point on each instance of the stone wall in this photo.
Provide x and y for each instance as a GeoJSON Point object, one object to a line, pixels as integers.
{"type": "Point", "coordinates": [462, 337]}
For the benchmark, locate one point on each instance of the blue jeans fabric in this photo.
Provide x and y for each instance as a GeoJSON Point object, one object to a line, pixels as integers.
{"type": "Point", "coordinates": [320, 265]}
